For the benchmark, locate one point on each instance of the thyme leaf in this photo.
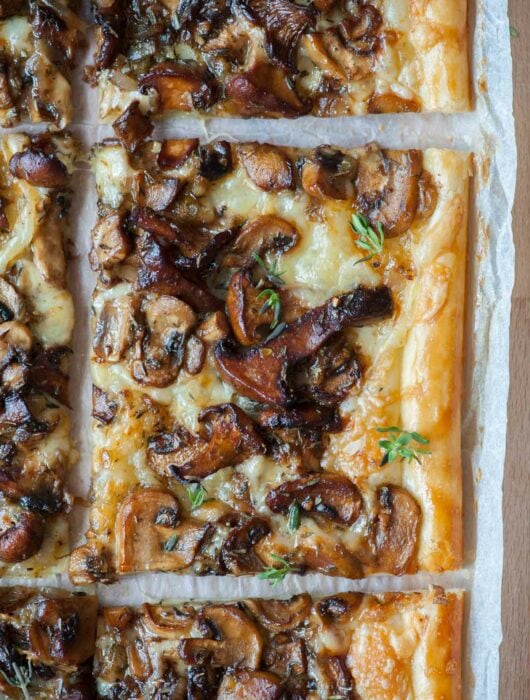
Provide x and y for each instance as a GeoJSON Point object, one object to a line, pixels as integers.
{"type": "Point", "coordinates": [367, 239]}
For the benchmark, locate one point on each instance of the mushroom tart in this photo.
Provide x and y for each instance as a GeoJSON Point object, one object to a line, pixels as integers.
{"type": "Point", "coordinates": [38, 45]}
{"type": "Point", "coordinates": [276, 357]}
{"type": "Point", "coordinates": [36, 322]}
{"type": "Point", "coordinates": [280, 58]}
{"type": "Point", "coordinates": [348, 645]}
{"type": "Point", "coordinates": [47, 644]}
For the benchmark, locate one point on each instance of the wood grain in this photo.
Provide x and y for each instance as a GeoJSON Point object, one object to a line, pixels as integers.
{"type": "Point", "coordinates": [515, 649]}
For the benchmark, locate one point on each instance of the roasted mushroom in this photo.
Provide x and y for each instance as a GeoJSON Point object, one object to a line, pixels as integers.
{"type": "Point", "coordinates": [261, 235]}
{"type": "Point", "coordinates": [215, 160]}
{"type": "Point", "coordinates": [227, 438]}
{"type": "Point", "coordinates": [47, 374]}
{"type": "Point", "coordinates": [329, 174]}
{"type": "Point", "coordinates": [390, 103]}
{"type": "Point", "coordinates": [39, 168]}
{"type": "Point", "coordinates": [180, 86]}
{"type": "Point", "coordinates": [21, 534]}
{"type": "Point", "coordinates": [264, 91]}
{"type": "Point", "coordinates": [168, 622]}
{"type": "Point", "coordinates": [261, 371]}
{"type": "Point", "coordinates": [281, 615]}
{"type": "Point", "coordinates": [110, 242]}
{"type": "Point", "coordinates": [250, 685]}
{"type": "Point", "coordinates": [388, 188]}
{"type": "Point", "coordinates": [158, 195]}
{"type": "Point", "coordinates": [133, 127]}
{"type": "Point", "coordinates": [332, 496]}
{"type": "Point", "coordinates": [332, 615]}
{"type": "Point", "coordinates": [115, 328]}
{"type": "Point", "coordinates": [237, 552]}
{"type": "Point", "coordinates": [175, 152]}
{"type": "Point", "coordinates": [89, 563]}
{"type": "Point", "coordinates": [104, 408]}
{"type": "Point", "coordinates": [12, 307]}
{"type": "Point", "coordinates": [17, 420]}
{"type": "Point", "coordinates": [249, 317]}
{"type": "Point", "coordinates": [267, 166]}
{"type": "Point", "coordinates": [336, 676]}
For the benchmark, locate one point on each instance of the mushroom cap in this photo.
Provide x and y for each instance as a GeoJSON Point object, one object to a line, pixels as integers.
{"type": "Point", "coordinates": [281, 615]}
{"type": "Point", "coordinates": [267, 166]}
{"type": "Point", "coordinates": [21, 534]}
{"type": "Point", "coordinates": [261, 235]}
{"type": "Point", "coordinates": [396, 531]}
{"type": "Point", "coordinates": [180, 86]}
{"type": "Point", "coordinates": [39, 168]}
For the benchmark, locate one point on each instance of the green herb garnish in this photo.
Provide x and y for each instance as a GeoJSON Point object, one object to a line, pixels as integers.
{"type": "Point", "coordinates": [196, 494]}
{"type": "Point", "coordinates": [171, 543]}
{"type": "Point", "coordinates": [294, 517]}
{"type": "Point", "coordinates": [276, 332]}
{"type": "Point", "coordinates": [275, 574]}
{"type": "Point", "coordinates": [22, 679]}
{"type": "Point", "coordinates": [272, 301]}
{"type": "Point", "coordinates": [398, 445]}
{"type": "Point", "coordinates": [271, 271]}
{"type": "Point", "coordinates": [368, 239]}
{"type": "Point", "coordinates": [514, 32]}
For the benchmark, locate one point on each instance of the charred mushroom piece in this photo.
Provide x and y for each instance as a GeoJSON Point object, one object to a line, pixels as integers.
{"type": "Point", "coordinates": [110, 243]}
{"type": "Point", "coordinates": [110, 36]}
{"type": "Point", "coordinates": [215, 160]}
{"type": "Point", "coordinates": [338, 679]}
{"type": "Point", "coordinates": [250, 685]}
{"type": "Point", "coordinates": [232, 639]}
{"type": "Point", "coordinates": [303, 417]}
{"type": "Point", "coordinates": [396, 531]}
{"type": "Point", "coordinates": [21, 534]}
{"type": "Point", "coordinates": [390, 103]}
{"type": "Point", "coordinates": [264, 91]}
{"type": "Point", "coordinates": [38, 168]}
{"type": "Point", "coordinates": [237, 552]}
{"type": "Point", "coordinates": [331, 496]}
{"type": "Point", "coordinates": [160, 195]}
{"type": "Point", "coordinates": [160, 353]}
{"type": "Point", "coordinates": [284, 23]}
{"type": "Point", "coordinates": [175, 152]}
{"type": "Point", "coordinates": [147, 541]}
{"type": "Point", "coordinates": [12, 307]}
{"type": "Point", "coordinates": [227, 438]}
{"type": "Point", "coordinates": [115, 328]}
{"type": "Point", "coordinates": [17, 417]}
{"type": "Point", "coordinates": [180, 87]}
{"type": "Point", "coordinates": [249, 318]}
{"type": "Point", "coordinates": [388, 188]}
{"type": "Point", "coordinates": [104, 408]}
{"type": "Point", "coordinates": [133, 127]}
{"type": "Point", "coordinates": [260, 372]}
{"type": "Point", "coordinates": [47, 376]}
{"type": "Point", "coordinates": [281, 615]}
{"type": "Point", "coordinates": [261, 235]}
{"type": "Point", "coordinates": [267, 166]}
{"type": "Point", "coordinates": [329, 174]}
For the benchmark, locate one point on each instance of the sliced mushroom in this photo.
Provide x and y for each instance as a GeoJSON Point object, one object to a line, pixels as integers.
{"type": "Point", "coordinates": [237, 553]}
{"type": "Point", "coordinates": [390, 103]}
{"type": "Point", "coordinates": [267, 166]}
{"type": "Point", "coordinates": [89, 563]}
{"type": "Point", "coordinates": [329, 557]}
{"type": "Point", "coordinates": [104, 408]}
{"type": "Point", "coordinates": [145, 539]}
{"type": "Point", "coordinates": [215, 160]}
{"type": "Point", "coordinates": [264, 91]}
{"type": "Point", "coordinates": [329, 173]}
{"type": "Point", "coordinates": [232, 639]}
{"type": "Point", "coordinates": [133, 127]}
{"type": "Point", "coordinates": [160, 353]}
{"type": "Point", "coordinates": [12, 307]}
{"type": "Point", "coordinates": [332, 617]}
{"type": "Point", "coordinates": [331, 496]}
{"type": "Point", "coordinates": [47, 374]}
{"type": "Point", "coordinates": [388, 188]}
{"type": "Point", "coordinates": [249, 316]}
{"type": "Point", "coordinates": [168, 622]}
{"type": "Point", "coordinates": [281, 615]}
{"type": "Point", "coordinates": [110, 243]}
{"type": "Point", "coordinates": [428, 196]}
{"type": "Point", "coordinates": [395, 531]}
{"type": "Point", "coordinates": [250, 685]}
{"type": "Point", "coordinates": [17, 419]}
{"type": "Point", "coordinates": [115, 328]}
{"type": "Point", "coordinates": [336, 676]}
{"type": "Point", "coordinates": [284, 23]}
{"type": "Point", "coordinates": [175, 152]}
{"type": "Point", "coordinates": [261, 235]}
{"type": "Point", "coordinates": [286, 657]}
{"type": "Point", "coordinates": [227, 438]}
{"type": "Point", "coordinates": [213, 329]}
{"type": "Point", "coordinates": [39, 168]}
{"type": "Point", "coordinates": [303, 417]}
{"type": "Point", "coordinates": [21, 534]}
{"type": "Point", "coordinates": [260, 372]}
{"type": "Point", "coordinates": [159, 194]}
{"type": "Point", "coordinates": [180, 87]}
{"type": "Point", "coordinates": [110, 36]}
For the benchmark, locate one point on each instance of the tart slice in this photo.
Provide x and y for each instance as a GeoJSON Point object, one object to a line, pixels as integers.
{"type": "Point", "coordinates": [349, 645]}
{"type": "Point", "coordinates": [279, 58]}
{"type": "Point", "coordinates": [277, 343]}
{"type": "Point", "coordinates": [36, 322]}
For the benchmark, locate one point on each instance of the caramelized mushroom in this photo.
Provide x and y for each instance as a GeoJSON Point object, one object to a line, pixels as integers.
{"type": "Point", "coordinates": [249, 317]}
{"type": "Point", "coordinates": [104, 408]}
{"type": "Point", "coordinates": [47, 246]}
{"type": "Point", "coordinates": [281, 615]}
{"type": "Point", "coordinates": [89, 563]}
{"type": "Point", "coordinates": [336, 676]}
{"type": "Point", "coordinates": [237, 553]}
{"type": "Point", "coordinates": [213, 329]}
{"type": "Point", "coordinates": [215, 160]}
{"type": "Point", "coordinates": [47, 376]}
{"type": "Point", "coordinates": [390, 103]}
{"type": "Point", "coordinates": [388, 188]}
{"type": "Point", "coordinates": [260, 372]}
{"type": "Point", "coordinates": [12, 307]}
{"type": "Point", "coordinates": [147, 539]}
{"type": "Point", "coordinates": [267, 166]}
{"type": "Point", "coordinates": [329, 174]}
{"type": "Point", "coordinates": [168, 622]}
{"type": "Point", "coordinates": [110, 243]}
{"type": "Point", "coordinates": [331, 496]}
{"type": "Point", "coordinates": [179, 86]}
{"type": "Point", "coordinates": [133, 127]}
{"type": "Point", "coordinates": [21, 534]}
{"type": "Point", "coordinates": [175, 152]}
{"type": "Point", "coordinates": [17, 418]}
{"type": "Point", "coordinates": [250, 685]}
{"type": "Point", "coordinates": [65, 630]}
{"type": "Point", "coordinates": [264, 91]}
{"type": "Point", "coordinates": [227, 438]}
{"type": "Point", "coordinates": [395, 531]}
{"type": "Point", "coordinates": [235, 639]}
{"type": "Point", "coordinates": [39, 168]}
{"type": "Point", "coordinates": [333, 615]}
{"type": "Point", "coordinates": [159, 195]}
{"type": "Point", "coordinates": [305, 416]}
{"type": "Point", "coordinates": [261, 235]}
{"type": "Point", "coordinates": [115, 328]}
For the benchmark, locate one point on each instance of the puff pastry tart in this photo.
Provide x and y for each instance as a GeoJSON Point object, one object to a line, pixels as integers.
{"type": "Point", "coordinates": [276, 359]}
{"type": "Point", "coordinates": [36, 322]}
{"type": "Point", "coordinates": [38, 40]}
{"type": "Point", "coordinates": [281, 58]}
{"type": "Point", "coordinates": [47, 643]}
{"type": "Point", "coordinates": [349, 646]}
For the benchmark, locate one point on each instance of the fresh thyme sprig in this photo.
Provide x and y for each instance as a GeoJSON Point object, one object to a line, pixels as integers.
{"type": "Point", "coordinates": [294, 517]}
{"type": "Point", "coordinates": [22, 679]}
{"type": "Point", "coordinates": [275, 574]}
{"type": "Point", "coordinates": [271, 271]}
{"type": "Point", "coordinates": [368, 239]}
{"type": "Point", "coordinates": [196, 494]}
{"type": "Point", "coordinates": [272, 301]}
{"type": "Point", "coordinates": [276, 332]}
{"type": "Point", "coordinates": [398, 445]}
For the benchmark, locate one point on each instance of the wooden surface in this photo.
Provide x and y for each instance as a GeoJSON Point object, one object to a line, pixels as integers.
{"type": "Point", "coordinates": [515, 650]}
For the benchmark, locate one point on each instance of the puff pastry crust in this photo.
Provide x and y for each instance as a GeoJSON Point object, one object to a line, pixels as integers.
{"type": "Point", "coordinates": [349, 645]}
{"type": "Point", "coordinates": [277, 58]}
{"type": "Point", "coordinates": [218, 450]}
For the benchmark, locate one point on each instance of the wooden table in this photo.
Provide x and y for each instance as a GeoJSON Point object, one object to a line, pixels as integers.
{"type": "Point", "coordinates": [515, 650]}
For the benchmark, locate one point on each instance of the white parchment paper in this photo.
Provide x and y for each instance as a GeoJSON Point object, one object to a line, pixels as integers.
{"type": "Point", "coordinates": [489, 133]}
